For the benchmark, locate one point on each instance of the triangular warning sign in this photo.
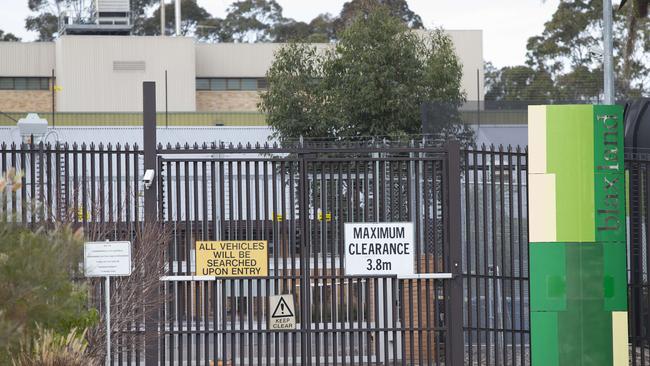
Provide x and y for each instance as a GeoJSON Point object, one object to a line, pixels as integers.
{"type": "Point", "coordinates": [282, 310]}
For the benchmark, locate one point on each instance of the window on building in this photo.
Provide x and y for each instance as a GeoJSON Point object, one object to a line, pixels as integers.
{"type": "Point", "coordinates": [24, 83]}
{"type": "Point", "coordinates": [233, 84]}
{"type": "Point", "coordinates": [248, 84]}
{"type": "Point", "coordinates": [219, 84]}
{"type": "Point", "coordinates": [202, 84]}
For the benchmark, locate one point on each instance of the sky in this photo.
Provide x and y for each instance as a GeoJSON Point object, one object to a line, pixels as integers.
{"type": "Point", "coordinates": [506, 24]}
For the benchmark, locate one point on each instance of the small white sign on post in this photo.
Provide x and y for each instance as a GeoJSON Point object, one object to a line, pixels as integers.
{"type": "Point", "coordinates": [380, 248]}
{"type": "Point", "coordinates": [107, 259]}
{"type": "Point", "coordinates": [282, 314]}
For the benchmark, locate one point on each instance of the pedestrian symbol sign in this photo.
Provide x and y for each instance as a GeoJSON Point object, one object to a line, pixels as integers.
{"type": "Point", "coordinates": [282, 316]}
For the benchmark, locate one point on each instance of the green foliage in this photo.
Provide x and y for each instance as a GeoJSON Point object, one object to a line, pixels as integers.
{"type": "Point", "coordinates": [371, 83]}
{"type": "Point", "coordinates": [251, 20]}
{"type": "Point", "coordinates": [45, 24]}
{"type": "Point", "coordinates": [8, 37]}
{"type": "Point", "coordinates": [363, 8]}
{"type": "Point", "coordinates": [36, 284]}
{"type": "Point", "coordinates": [192, 17]}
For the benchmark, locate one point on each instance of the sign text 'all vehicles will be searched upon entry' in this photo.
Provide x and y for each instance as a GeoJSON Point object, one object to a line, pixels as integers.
{"type": "Point", "coordinates": [246, 258]}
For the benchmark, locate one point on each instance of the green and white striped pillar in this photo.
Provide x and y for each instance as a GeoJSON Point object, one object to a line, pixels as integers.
{"type": "Point", "coordinates": [578, 286]}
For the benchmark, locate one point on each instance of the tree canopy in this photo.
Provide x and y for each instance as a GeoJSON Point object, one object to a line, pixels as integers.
{"type": "Point", "coordinates": [245, 20]}
{"type": "Point", "coordinates": [372, 82]}
{"type": "Point", "coordinates": [560, 64]}
{"type": "Point", "coordinates": [8, 37]}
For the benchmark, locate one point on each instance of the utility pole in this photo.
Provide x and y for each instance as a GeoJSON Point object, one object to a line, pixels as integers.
{"type": "Point", "coordinates": [608, 52]}
{"type": "Point", "coordinates": [177, 16]}
{"type": "Point", "coordinates": [162, 17]}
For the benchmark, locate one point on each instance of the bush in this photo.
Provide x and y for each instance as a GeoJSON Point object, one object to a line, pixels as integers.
{"type": "Point", "coordinates": [37, 271]}
{"type": "Point", "coordinates": [48, 348]}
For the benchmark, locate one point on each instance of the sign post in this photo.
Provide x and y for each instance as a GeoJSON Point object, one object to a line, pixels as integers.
{"type": "Point", "coordinates": [108, 319]}
{"type": "Point", "coordinates": [107, 259]}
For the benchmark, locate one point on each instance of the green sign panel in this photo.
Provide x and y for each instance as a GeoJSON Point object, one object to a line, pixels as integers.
{"type": "Point", "coordinates": [578, 287]}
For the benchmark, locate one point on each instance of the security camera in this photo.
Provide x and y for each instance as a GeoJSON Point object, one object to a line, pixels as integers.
{"type": "Point", "coordinates": [596, 52]}
{"type": "Point", "coordinates": [147, 179]}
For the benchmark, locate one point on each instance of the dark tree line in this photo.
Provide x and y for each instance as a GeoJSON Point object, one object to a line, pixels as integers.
{"type": "Point", "coordinates": [245, 21]}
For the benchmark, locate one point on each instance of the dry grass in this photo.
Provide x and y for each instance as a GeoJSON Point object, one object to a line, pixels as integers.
{"type": "Point", "coordinates": [51, 349]}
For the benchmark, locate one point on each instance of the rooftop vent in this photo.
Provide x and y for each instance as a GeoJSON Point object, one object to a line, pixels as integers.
{"type": "Point", "coordinates": [128, 65]}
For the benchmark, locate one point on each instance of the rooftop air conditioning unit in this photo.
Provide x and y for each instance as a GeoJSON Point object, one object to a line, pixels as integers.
{"type": "Point", "coordinates": [112, 11]}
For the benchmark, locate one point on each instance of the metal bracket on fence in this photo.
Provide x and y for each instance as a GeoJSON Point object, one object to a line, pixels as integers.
{"type": "Point", "coordinates": [426, 276]}
{"type": "Point", "coordinates": [187, 278]}
{"type": "Point", "coordinates": [416, 276]}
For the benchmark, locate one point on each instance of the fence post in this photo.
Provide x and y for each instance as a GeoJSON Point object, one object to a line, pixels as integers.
{"type": "Point", "coordinates": [150, 195]}
{"type": "Point", "coordinates": [305, 288]}
{"type": "Point", "coordinates": [454, 303]}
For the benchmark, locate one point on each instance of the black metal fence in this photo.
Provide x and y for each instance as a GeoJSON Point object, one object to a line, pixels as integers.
{"type": "Point", "coordinates": [76, 183]}
{"type": "Point", "coordinates": [638, 170]}
{"type": "Point", "coordinates": [298, 199]}
{"type": "Point", "coordinates": [495, 254]}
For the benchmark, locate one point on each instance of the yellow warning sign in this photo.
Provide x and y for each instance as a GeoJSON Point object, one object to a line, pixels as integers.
{"type": "Point", "coordinates": [232, 258]}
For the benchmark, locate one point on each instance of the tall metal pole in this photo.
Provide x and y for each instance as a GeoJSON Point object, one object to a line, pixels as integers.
{"type": "Point", "coordinates": [162, 17]}
{"type": "Point", "coordinates": [53, 82]}
{"type": "Point", "coordinates": [177, 16]}
{"type": "Point", "coordinates": [150, 207]}
{"type": "Point", "coordinates": [608, 54]}
{"type": "Point", "coordinates": [453, 246]}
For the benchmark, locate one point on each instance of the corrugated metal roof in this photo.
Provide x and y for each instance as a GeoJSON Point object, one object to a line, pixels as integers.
{"type": "Point", "coordinates": [487, 134]}
{"type": "Point", "coordinates": [515, 135]}
{"type": "Point", "coordinates": [131, 135]}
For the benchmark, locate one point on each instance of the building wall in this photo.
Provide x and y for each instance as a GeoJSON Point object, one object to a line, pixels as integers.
{"type": "Point", "coordinates": [90, 80]}
{"type": "Point", "coordinates": [254, 59]}
{"type": "Point", "coordinates": [469, 49]}
{"type": "Point", "coordinates": [226, 101]}
{"type": "Point", "coordinates": [25, 101]}
{"type": "Point", "coordinates": [26, 59]}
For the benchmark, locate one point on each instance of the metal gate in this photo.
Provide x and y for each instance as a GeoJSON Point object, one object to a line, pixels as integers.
{"type": "Point", "coordinates": [298, 200]}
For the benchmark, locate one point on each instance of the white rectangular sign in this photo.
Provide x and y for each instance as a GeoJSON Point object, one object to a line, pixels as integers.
{"type": "Point", "coordinates": [107, 258]}
{"type": "Point", "coordinates": [379, 248]}
{"type": "Point", "coordinates": [282, 315]}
